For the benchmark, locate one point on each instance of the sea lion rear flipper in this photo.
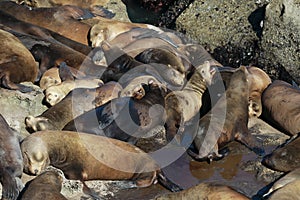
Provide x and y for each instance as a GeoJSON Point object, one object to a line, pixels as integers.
{"type": "Point", "coordinates": [65, 72]}
{"type": "Point", "coordinates": [167, 183]}
{"type": "Point", "coordinates": [90, 191]}
{"type": "Point", "coordinates": [9, 185]}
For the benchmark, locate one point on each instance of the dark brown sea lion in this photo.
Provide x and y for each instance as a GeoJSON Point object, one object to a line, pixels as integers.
{"type": "Point", "coordinates": [182, 105]}
{"type": "Point", "coordinates": [77, 102]}
{"type": "Point", "coordinates": [85, 157]}
{"type": "Point", "coordinates": [227, 121]}
{"type": "Point", "coordinates": [205, 191]}
{"type": "Point", "coordinates": [285, 157]}
{"type": "Point", "coordinates": [60, 19]}
{"type": "Point", "coordinates": [16, 63]}
{"type": "Point", "coordinates": [125, 118]}
{"type": "Point", "coordinates": [46, 185]}
{"type": "Point", "coordinates": [281, 103]}
{"type": "Point", "coordinates": [11, 162]}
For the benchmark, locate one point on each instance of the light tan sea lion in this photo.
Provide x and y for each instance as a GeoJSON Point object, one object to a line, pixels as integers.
{"type": "Point", "coordinates": [290, 191]}
{"type": "Point", "coordinates": [227, 121]}
{"type": "Point", "coordinates": [49, 78]}
{"type": "Point", "coordinates": [281, 102]}
{"type": "Point", "coordinates": [46, 185]}
{"type": "Point", "coordinates": [205, 191]}
{"type": "Point", "coordinates": [11, 162]}
{"type": "Point", "coordinates": [85, 157]}
{"type": "Point", "coordinates": [77, 102]}
{"type": "Point", "coordinates": [181, 106]}
{"type": "Point", "coordinates": [16, 63]}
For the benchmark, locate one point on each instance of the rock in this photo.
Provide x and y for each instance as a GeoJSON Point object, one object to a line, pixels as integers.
{"type": "Point", "coordinates": [281, 40]}
{"type": "Point", "coordinates": [15, 106]}
{"type": "Point", "coordinates": [117, 7]}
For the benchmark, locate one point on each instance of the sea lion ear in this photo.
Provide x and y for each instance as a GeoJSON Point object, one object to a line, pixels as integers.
{"type": "Point", "coordinates": [65, 72]}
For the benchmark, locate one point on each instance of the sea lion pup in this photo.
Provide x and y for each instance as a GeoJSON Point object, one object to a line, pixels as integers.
{"type": "Point", "coordinates": [281, 102]}
{"type": "Point", "coordinates": [16, 63]}
{"type": "Point", "coordinates": [125, 118]}
{"type": "Point", "coordinates": [227, 121]}
{"type": "Point", "coordinates": [77, 102]}
{"type": "Point", "coordinates": [46, 185]}
{"type": "Point", "coordinates": [85, 157]}
{"type": "Point", "coordinates": [60, 19]}
{"type": "Point", "coordinates": [290, 191]}
{"type": "Point", "coordinates": [259, 80]}
{"type": "Point", "coordinates": [181, 106]}
{"type": "Point", "coordinates": [285, 157]}
{"type": "Point", "coordinates": [11, 162]}
{"type": "Point", "coordinates": [285, 180]}
{"type": "Point", "coordinates": [205, 191]}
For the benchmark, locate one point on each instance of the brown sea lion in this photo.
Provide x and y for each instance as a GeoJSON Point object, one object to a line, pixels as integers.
{"type": "Point", "coordinates": [85, 157]}
{"type": "Point", "coordinates": [11, 162]}
{"type": "Point", "coordinates": [281, 103]}
{"type": "Point", "coordinates": [227, 121]}
{"type": "Point", "coordinates": [290, 191]}
{"type": "Point", "coordinates": [79, 3]}
{"type": "Point", "coordinates": [182, 105]}
{"type": "Point", "coordinates": [60, 19]}
{"type": "Point", "coordinates": [46, 185]}
{"type": "Point", "coordinates": [77, 102]}
{"type": "Point", "coordinates": [125, 118]}
{"type": "Point", "coordinates": [205, 191]}
{"type": "Point", "coordinates": [285, 157]}
{"type": "Point", "coordinates": [16, 63]}
{"type": "Point", "coordinates": [285, 180]}
{"type": "Point", "coordinates": [259, 82]}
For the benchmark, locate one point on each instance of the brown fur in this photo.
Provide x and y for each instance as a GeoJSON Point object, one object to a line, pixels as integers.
{"type": "Point", "coordinates": [74, 104]}
{"type": "Point", "coordinates": [11, 166]}
{"type": "Point", "coordinates": [62, 20]}
{"type": "Point", "coordinates": [286, 157]}
{"type": "Point", "coordinates": [206, 191]}
{"type": "Point", "coordinates": [182, 106]}
{"type": "Point", "coordinates": [85, 157]}
{"type": "Point", "coordinates": [259, 82]}
{"type": "Point", "coordinates": [46, 185]}
{"type": "Point", "coordinates": [79, 3]}
{"type": "Point", "coordinates": [281, 103]}
{"type": "Point", "coordinates": [16, 63]}
{"type": "Point", "coordinates": [227, 121]}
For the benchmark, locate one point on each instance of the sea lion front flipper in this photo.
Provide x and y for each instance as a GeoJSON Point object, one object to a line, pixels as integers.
{"type": "Point", "coordinates": [9, 185]}
{"type": "Point", "coordinates": [74, 12]}
{"type": "Point", "coordinates": [251, 142]}
{"type": "Point", "coordinates": [65, 72]}
{"type": "Point", "coordinates": [6, 83]}
{"type": "Point", "coordinates": [168, 183]}
{"type": "Point", "coordinates": [102, 12]}
{"type": "Point", "coordinates": [90, 192]}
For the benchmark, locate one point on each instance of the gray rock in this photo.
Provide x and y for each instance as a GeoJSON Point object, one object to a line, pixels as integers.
{"type": "Point", "coordinates": [281, 39]}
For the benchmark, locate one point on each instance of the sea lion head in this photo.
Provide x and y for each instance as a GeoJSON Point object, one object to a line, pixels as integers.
{"type": "Point", "coordinates": [52, 178]}
{"type": "Point", "coordinates": [35, 155]}
{"type": "Point", "coordinates": [97, 35]}
{"type": "Point", "coordinates": [53, 95]}
{"type": "Point", "coordinates": [38, 124]}
{"type": "Point", "coordinates": [207, 72]}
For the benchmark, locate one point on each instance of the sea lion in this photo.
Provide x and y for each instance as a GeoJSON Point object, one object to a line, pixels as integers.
{"type": "Point", "coordinates": [46, 185]}
{"type": "Point", "coordinates": [285, 157]}
{"type": "Point", "coordinates": [11, 162]}
{"type": "Point", "coordinates": [77, 102]}
{"type": "Point", "coordinates": [85, 157]}
{"type": "Point", "coordinates": [56, 93]}
{"type": "Point", "coordinates": [227, 121]}
{"type": "Point", "coordinates": [60, 19]}
{"type": "Point", "coordinates": [182, 105]}
{"type": "Point", "coordinates": [205, 191]}
{"type": "Point", "coordinates": [285, 180]}
{"type": "Point", "coordinates": [125, 118]}
{"type": "Point", "coordinates": [16, 64]}
{"type": "Point", "coordinates": [49, 78]}
{"type": "Point", "coordinates": [259, 80]}
{"type": "Point", "coordinates": [288, 192]}
{"type": "Point", "coordinates": [281, 106]}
